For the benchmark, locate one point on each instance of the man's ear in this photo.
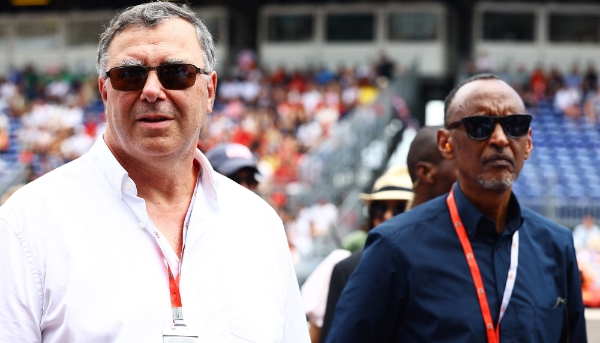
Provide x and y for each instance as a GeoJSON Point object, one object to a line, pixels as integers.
{"type": "Point", "coordinates": [102, 88]}
{"type": "Point", "coordinates": [445, 144]}
{"type": "Point", "coordinates": [211, 88]}
{"type": "Point", "coordinates": [424, 172]}
{"type": "Point", "coordinates": [528, 143]}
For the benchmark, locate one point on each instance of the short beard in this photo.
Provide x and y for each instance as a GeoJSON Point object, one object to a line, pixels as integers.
{"type": "Point", "coordinates": [500, 184]}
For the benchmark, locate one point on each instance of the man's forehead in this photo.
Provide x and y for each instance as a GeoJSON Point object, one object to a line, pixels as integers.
{"type": "Point", "coordinates": [486, 95]}
{"type": "Point", "coordinates": [171, 41]}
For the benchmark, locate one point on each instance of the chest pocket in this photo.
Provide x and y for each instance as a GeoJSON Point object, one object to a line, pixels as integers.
{"type": "Point", "coordinates": [549, 323]}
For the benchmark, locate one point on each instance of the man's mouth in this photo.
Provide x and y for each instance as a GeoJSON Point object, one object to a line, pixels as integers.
{"type": "Point", "coordinates": [498, 160]}
{"type": "Point", "coordinates": [153, 119]}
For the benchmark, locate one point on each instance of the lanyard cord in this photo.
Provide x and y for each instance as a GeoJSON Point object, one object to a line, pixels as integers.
{"type": "Point", "coordinates": [493, 334]}
{"type": "Point", "coordinates": [176, 304]}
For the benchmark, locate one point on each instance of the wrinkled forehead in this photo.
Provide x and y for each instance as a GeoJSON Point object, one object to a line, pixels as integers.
{"type": "Point", "coordinates": [486, 97]}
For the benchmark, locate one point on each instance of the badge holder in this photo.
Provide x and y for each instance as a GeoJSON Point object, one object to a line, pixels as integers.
{"type": "Point", "coordinates": [179, 332]}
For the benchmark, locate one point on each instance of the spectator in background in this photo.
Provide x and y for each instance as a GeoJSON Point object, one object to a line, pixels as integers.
{"type": "Point", "coordinates": [432, 174]}
{"type": "Point", "coordinates": [586, 237]}
{"type": "Point", "coordinates": [537, 85]}
{"type": "Point", "coordinates": [555, 82]}
{"type": "Point", "coordinates": [591, 106]}
{"type": "Point", "coordinates": [386, 67]}
{"type": "Point", "coordinates": [323, 218]}
{"type": "Point", "coordinates": [391, 193]}
{"type": "Point", "coordinates": [590, 79]}
{"type": "Point", "coordinates": [586, 234]}
{"type": "Point", "coordinates": [4, 132]}
{"type": "Point", "coordinates": [568, 100]}
{"type": "Point", "coordinates": [574, 79]}
{"type": "Point", "coordinates": [236, 162]}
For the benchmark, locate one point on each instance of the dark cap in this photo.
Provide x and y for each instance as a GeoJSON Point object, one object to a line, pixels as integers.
{"type": "Point", "coordinates": [227, 158]}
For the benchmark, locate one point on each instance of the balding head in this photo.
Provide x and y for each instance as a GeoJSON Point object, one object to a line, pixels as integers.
{"type": "Point", "coordinates": [423, 148]}
{"type": "Point", "coordinates": [449, 101]}
{"type": "Point", "coordinates": [431, 173]}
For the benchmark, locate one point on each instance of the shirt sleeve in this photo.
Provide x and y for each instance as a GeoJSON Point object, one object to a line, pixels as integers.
{"type": "Point", "coordinates": [371, 303]}
{"type": "Point", "coordinates": [19, 299]}
{"type": "Point", "coordinates": [575, 308]}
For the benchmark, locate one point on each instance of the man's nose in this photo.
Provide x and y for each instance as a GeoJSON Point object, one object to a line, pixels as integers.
{"type": "Point", "coordinates": [498, 136]}
{"type": "Point", "coordinates": [152, 90]}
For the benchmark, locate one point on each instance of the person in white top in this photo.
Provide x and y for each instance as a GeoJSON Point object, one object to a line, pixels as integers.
{"type": "Point", "coordinates": [586, 235]}
{"type": "Point", "coordinates": [140, 240]}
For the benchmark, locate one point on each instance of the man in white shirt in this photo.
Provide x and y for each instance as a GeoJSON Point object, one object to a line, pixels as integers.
{"type": "Point", "coordinates": [140, 240]}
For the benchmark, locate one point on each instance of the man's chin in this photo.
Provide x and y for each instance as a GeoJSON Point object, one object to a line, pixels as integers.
{"type": "Point", "coordinates": [498, 184]}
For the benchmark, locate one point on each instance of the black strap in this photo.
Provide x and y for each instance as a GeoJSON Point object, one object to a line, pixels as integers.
{"type": "Point", "coordinates": [393, 188]}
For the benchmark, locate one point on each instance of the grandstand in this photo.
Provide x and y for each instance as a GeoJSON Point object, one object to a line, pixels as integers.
{"type": "Point", "coordinates": [560, 178]}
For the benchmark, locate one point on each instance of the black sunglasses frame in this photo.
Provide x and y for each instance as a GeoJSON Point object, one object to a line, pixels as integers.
{"type": "Point", "coordinates": [110, 74]}
{"type": "Point", "coordinates": [492, 120]}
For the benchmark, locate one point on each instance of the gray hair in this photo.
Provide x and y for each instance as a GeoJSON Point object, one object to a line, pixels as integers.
{"type": "Point", "coordinates": [150, 15]}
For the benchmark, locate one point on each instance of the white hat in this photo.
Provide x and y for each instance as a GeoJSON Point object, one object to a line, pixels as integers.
{"type": "Point", "coordinates": [395, 184]}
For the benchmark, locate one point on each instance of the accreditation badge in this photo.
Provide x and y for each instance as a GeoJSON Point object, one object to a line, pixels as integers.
{"type": "Point", "coordinates": [180, 335]}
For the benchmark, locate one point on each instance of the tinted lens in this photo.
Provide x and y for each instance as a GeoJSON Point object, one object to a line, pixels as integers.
{"type": "Point", "coordinates": [177, 76]}
{"type": "Point", "coordinates": [378, 210]}
{"type": "Point", "coordinates": [479, 127]}
{"type": "Point", "coordinates": [516, 125]}
{"type": "Point", "coordinates": [128, 78]}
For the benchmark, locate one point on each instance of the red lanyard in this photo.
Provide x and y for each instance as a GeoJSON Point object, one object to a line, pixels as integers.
{"type": "Point", "coordinates": [493, 334]}
{"type": "Point", "coordinates": [174, 288]}
{"type": "Point", "coordinates": [176, 305]}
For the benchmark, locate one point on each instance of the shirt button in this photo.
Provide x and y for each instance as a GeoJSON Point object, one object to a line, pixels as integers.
{"type": "Point", "coordinates": [498, 247]}
{"type": "Point", "coordinates": [142, 225]}
{"type": "Point", "coordinates": [118, 191]}
{"type": "Point", "coordinates": [128, 185]}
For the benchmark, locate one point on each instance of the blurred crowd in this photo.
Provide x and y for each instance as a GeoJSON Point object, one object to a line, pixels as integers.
{"type": "Point", "coordinates": [47, 118]}
{"type": "Point", "coordinates": [575, 93]}
{"type": "Point", "coordinates": [50, 117]}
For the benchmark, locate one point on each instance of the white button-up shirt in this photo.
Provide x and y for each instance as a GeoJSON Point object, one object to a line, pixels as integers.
{"type": "Point", "coordinates": [81, 261]}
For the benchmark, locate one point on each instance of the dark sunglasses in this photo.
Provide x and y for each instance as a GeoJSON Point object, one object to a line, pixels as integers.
{"type": "Point", "coordinates": [378, 209]}
{"type": "Point", "coordinates": [171, 76]}
{"type": "Point", "coordinates": [481, 127]}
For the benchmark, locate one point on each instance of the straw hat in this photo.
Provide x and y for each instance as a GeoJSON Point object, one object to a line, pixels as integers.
{"type": "Point", "coordinates": [395, 184]}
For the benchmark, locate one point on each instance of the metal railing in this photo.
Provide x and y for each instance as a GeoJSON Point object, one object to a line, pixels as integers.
{"type": "Point", "coordinates": [348, 164]}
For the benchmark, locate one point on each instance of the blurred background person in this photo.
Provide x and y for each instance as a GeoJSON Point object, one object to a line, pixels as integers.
{"type": "Point", "coordinates": [586, 234]}
{"type": "Point", "coordinates": [236, 162]}
{"type": "Point", "coordinates": [391, 193]}
{"type": "Point", "coordinates": [432, 175]}
{"type": "Point", "coordinates": [586, 237]}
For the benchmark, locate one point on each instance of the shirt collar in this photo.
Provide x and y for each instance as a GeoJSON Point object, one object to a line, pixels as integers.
{"type": "Point", "coordinates": [112, 171]}
{"type": "Point", "coordinates": [475, 222]}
